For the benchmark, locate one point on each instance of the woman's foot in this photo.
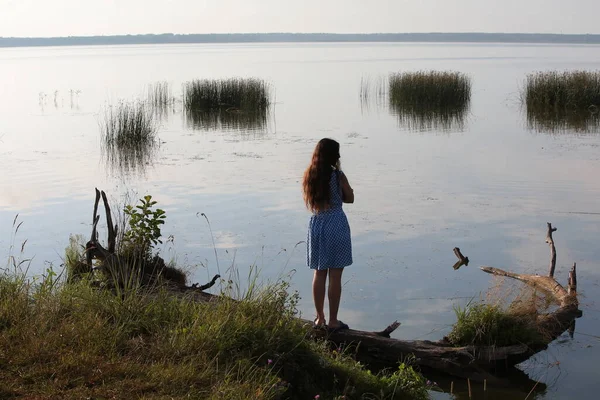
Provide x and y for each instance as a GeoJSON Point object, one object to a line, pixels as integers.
{"type": "Point", "coordinates": [319, 324]}
{"type": "Point", "coordinates": [337, 326]}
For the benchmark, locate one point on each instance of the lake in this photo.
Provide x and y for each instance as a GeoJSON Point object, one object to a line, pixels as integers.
{"type": "Point", "coordinates": [487, 186]}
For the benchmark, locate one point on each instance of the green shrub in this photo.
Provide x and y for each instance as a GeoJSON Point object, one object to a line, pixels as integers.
{"type": "Point", "coordinates": [144, 226]}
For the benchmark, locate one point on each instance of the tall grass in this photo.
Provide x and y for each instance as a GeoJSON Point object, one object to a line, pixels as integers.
{"type": "Point", "coordinates": [506, 316]}
{"type": "Point", "coordinates": [430, 100]}
{"type": "Point", "coordinates": [159, 94]}
{"type": "Point", "coordinates": [248, 94]}
{"type": "Point", "coordinates": [129, 137]}
{"type": "Point", "coordinates": [568, 90]}
{"type": "Point", "coordinates": [558, 101]}
{"type": "Point", "coordinates": [430, 89]}
{"type": "Point", "coordinates": [235, 104]}
{"type": "Point", "coordinates": [482, 324]}
{"type": "Point", "coordinates": [160, 98]}
{"type": "Point", "coordinates": [128, 124]}
{"type": "Point", "coordinates": [74, 341]}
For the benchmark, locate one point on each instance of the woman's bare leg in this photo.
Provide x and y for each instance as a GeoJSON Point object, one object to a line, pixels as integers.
{"type": "Point", "coordinates": [334, 292]}
{"type": "Point", "coordinates": [318, 287]}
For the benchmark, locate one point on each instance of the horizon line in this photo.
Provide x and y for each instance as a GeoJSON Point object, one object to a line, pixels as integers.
{"type": "Point", "coordinates": [283, 37]}
{"type": "Point", "coordinates": [301, 33]}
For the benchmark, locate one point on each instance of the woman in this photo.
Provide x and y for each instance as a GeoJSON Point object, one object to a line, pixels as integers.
{"type": "Point", "coordinates": [329, 248]}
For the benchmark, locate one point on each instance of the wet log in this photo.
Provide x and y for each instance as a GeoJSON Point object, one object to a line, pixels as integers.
{"type": "Point", "coordinates": [379, 351]}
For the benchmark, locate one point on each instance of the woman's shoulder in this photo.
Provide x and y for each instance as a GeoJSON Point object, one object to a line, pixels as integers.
{"type": "Point", "coordinates": [336, 174]}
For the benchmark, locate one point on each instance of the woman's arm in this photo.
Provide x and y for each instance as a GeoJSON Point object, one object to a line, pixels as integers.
{"type": "Point", "coordinates": [347, 191]}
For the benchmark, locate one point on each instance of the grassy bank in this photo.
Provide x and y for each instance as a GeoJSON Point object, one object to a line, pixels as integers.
{"type": "Point", "coordinates": [73, 341]}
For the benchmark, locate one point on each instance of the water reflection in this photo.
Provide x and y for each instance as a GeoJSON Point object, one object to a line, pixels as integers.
{"type": "Point", "coordinates": [227, 119]}
{"type": "Point", "coordinates": [130, 159]}
{"type": "Point", "coordinates": [550, 121]}
{"type": "Point", "coordinates": [423, 119]}
{"type": "Point", "coordinates": [515, 384]}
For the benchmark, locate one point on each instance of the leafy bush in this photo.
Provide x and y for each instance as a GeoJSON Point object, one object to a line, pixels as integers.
{"type": "Point", "coordinates": [144, 226]}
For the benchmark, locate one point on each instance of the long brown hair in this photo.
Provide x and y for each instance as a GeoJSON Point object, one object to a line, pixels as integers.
{"type": "Point", "coordinates": [316, 177]}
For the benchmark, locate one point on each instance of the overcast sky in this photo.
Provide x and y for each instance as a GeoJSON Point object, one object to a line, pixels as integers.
{"type": "Point", "coordinates": [106, 17]}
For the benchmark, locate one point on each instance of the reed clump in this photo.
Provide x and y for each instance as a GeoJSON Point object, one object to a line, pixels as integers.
{"type": "Point", "coordinates": [246, 94]}
{"type": "Point", "coordinates": [561, 101]}
{"type": "Point", "coordinates": [430, 89]}
{"type": "Point", "coordinates": [159, 95]}
{"type": "Point", "coordinates": [430, 100]}
{"type": "Point", "coordinates": [232, 104]}
{"type": "Point", "coordinates": [160, 99]}
{"type": "Point", "coordinates": [568, 90]}
{"type": "Point", "coordinates": [129, 138]}
{"type": "Point", "coordinates": [128, 124]}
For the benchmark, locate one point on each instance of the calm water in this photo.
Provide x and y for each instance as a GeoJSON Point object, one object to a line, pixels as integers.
{"type": "Point", "coordinates": [488, 187]}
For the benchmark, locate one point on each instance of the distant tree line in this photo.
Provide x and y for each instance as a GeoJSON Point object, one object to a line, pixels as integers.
{"type": "Point", "coordinates": [300, 37]}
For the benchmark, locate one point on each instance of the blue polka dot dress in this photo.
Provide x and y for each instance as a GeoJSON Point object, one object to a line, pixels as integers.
{"type": "Point", "coordinates": [329, 244]}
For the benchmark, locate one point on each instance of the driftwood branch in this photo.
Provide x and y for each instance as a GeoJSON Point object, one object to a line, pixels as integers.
{"type": "Point", "coordinates": [462, 260]}
{"type": "Point", "coordinates": [207, 285]}
{"type": "Point", "coordinates": [551, 325]}
{"type": "Point", "coordinates": [572, 286]}
{"type": "Point", "coordinates": [112, 235]}
{"type": "Point", "coordinates": [550, 242]}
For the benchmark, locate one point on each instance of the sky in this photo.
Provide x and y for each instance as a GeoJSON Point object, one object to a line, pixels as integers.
{"type": "Point", "coordinates": [46, 18]}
